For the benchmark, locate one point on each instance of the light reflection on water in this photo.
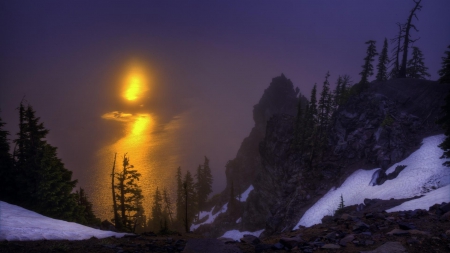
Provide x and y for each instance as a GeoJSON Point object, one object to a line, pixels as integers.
{"type": "Point", "coordinates": [151, 150]}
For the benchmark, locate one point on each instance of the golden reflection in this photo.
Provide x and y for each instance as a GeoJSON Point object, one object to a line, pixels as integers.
{"type": "Point", "coordinates": [136, 83]}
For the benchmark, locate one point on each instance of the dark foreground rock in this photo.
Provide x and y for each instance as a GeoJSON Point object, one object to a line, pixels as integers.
{"type": "Point", "coordinates": [370, 231]}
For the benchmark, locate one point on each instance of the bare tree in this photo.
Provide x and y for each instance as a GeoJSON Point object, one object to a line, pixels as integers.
{"type": "Point", "coordinates": [406, 40]}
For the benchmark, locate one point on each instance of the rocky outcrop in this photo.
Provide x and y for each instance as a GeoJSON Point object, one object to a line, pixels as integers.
{"type": "Point", "coordinates": [279, 98]}
{"type": "Point", "coordinates": [373, 129]}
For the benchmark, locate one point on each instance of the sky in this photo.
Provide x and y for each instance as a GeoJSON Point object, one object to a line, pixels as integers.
{"type": "Point", "coordinates": [207, 63]}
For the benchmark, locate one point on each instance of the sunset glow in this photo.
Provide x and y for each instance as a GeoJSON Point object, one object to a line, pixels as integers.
{"type": "Point", "coordinates": [135, 83]}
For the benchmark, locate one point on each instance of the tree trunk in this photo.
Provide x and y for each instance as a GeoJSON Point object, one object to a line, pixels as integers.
{"type": "Point", "coordinates": [186, 223]}
{"type": "Point", "coordinates": [116, 215]}
{"type": "Point", "coordinates": [402, 73]}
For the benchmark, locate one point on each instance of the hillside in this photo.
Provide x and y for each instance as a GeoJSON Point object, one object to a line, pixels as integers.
{"type": "Point", "coordinates": [373, 130]}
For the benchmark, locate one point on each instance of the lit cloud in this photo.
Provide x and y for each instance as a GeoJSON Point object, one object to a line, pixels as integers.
{"type": "Point", "coordinates": [118, 116]}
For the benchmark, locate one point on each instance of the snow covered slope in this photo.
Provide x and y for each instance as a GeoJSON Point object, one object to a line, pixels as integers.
{"type": "Point", "coordinates": [19, 224]}
{"type": "Point", "coordinates": [424, 175]}
{"type": "Point", "coordinates": [211, 216]}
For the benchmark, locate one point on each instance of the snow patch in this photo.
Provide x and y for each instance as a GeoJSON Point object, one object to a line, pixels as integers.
{"type": "Point", "coordinates": [424, 173]}
{"type": "Point", "coordinates": [434, 197]}
{"type": "Point", "coordinates": [211, 217]}
{"type": "Point", "coordinates": [244, 195]}
{"type": "Point", "coordinates": [239, 220]}
{"type": "Point", "coordinates": [236, 234]}
{"type": "Point", "coordinates": [20, 224]}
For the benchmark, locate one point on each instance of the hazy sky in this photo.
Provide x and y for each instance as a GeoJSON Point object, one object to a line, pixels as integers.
{"type": "Point", "coordinates": [210, 60]}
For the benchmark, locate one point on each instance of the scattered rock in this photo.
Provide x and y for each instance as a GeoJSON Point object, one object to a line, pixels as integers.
{"type": "Point", "coordinates": [331, 246]}
{"type": "Point", "coordinates": [291, 242]}
{"type": "Point", "coordinates": [277, 246]}
{"type": "Point", "coordinates": [347, 239]}
{"type": "Point", "coordinates": [250, 239]}
{"type": "Point", "coordinates": [388, 247]}
{"type": "Point", "coordinates": [209, 245]}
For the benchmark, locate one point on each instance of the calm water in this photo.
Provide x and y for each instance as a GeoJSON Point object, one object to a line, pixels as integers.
{"type": "Point", "coordinates": [152, 152]}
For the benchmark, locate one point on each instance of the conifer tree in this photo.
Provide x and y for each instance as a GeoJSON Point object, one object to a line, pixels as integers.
{"type": "Point", "coordinates": [45, 184]}
{"type": "Point", "coordinates": [406, 39]}
{"type": "Point", "coordinates": [167, 205]}
{"type": "Point", "coordinates": [337, 93]}
{"type": "Point", "coordinates": [7, 173]}
{"type": "Point", "coordinates": [368, 67]}
{"type": "Point", "coordinates": [383, 61]}
{"type": "Point", "coordinates": [204, 183]}
{"type": "Point", "coordinates": [444, 121]}
{"type": "Point", "coordinates": [180, 198]}
{"type": "Point", "coordinates": [324, 114]}
{"type": "Point", "coordinates": [299, 128]}
{"type": "Point", "coordinates": [445, 124]}
{"type": "Point", "coordinates": [188, 200]}
{"type": "Point", "coordinates": [157, 211]}
{"type": "Point", "coordinates": [444, 72]}
{"type": "Point", "coordinates": [311, 125]}
{"type": "Point", "coordinates": [128, 194]}
{"type": "Point", "coordinates": [416, 67]}
{"type": "Point", "coordinates": [88, 217]}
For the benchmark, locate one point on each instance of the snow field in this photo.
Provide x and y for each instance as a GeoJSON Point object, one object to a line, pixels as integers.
{"type": "Point", "coordinates": [245, 194]}
{"type": "Point", "coordinates": [236, 234]}
{"type": "Point", "coordinates": [424, 173]}
{"type": "Point", "coordinates": [211, 217]}
{"type": "Point", "coordinates": [19, 224]}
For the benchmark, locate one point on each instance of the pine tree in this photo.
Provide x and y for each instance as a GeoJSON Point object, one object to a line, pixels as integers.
{"type": "Point", "coordinates": [188, 200]}
{"type": "Point", "coordinates": [157, 211]}
{"type": "Point", "coordinates": [204, 183]}
{"type": "Point", "coordinates": [416, 67]}
{"type": "Point", "coordinates": [167, 205]}
{"type": "Point", "coordinates": [324, 115]}
{"type": "Point", "coordinates": [406, 39]}
{"type": "Point", "coordinates": [180, 198]}
{"type": "Point", "coordinates": [445, 124]}
{"type": "Point", "coordinates": [383, 60]}
{"type": "Point", "coordinates": [87, 217]}
{"type": "Point", "coordinates": [45, 184]}
{"type": "Point", "coordinates": [7, 173]}
{"type": "Point", "coordinates": [368, 67]}
{"type": "Point", "coordinates": [310, 123]}
{"type": "Point", "coordinates": [337, 96]}
{"type": "Point", "coordinates": [128, 194]}
{"type": "Point", "coordinates": [299, 129]}
{"type": "Point", "coordinates": [444, 72]}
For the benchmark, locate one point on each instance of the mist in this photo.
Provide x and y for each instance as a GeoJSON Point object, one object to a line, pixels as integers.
{"type": "Point", "coordinates": [208, 62]}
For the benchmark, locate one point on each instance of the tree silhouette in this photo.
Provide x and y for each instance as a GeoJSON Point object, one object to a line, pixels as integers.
{"type": "Point", "coordinates": [43, 184]}
{"type": "Point", "coordinates": [188, 200]}
{"type": "Point", "coordinates": [406, 39]}
{"type": "Point", "coordinates": [416, 67]}
{"type": "Point", "coordinates": [180, 198]}
{"type": "Point", "coordinates": [203, 185]}
{"type": "Point", "coordinates": [383, 60]}
{"type": "Point", "coordinates": [157, 211]}
{"type": "Point", "coordinates": [128, 194]}
{"type": "Point", "coordinates": [368, 67]}
{"type": "Point", "coordinates": [444, 72]}
{"type": "Point", "coordinates": [7, 172]}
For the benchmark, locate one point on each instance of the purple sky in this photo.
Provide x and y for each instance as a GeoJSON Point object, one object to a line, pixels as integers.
{"type": "Point", "coordinates": [216, 57]}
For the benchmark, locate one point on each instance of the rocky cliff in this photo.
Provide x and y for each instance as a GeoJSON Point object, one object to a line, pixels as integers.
{"type": "Point", "coordinates": [279, 98]}
{"type": "Point", "coordinates": [375, 128]}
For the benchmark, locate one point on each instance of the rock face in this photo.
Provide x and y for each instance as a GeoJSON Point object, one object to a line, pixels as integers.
{"type": "Point", "coordinates": [279, 97]}
{"type": "Point", "coordinates": [375, 128]}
